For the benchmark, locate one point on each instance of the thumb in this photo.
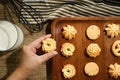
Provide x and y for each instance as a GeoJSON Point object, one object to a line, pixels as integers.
{"type": "Point", "coordinates": [47, 56]}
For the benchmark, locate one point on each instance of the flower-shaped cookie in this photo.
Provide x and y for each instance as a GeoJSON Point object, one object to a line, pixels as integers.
{"type": "Point", "coordinates": [112, 30]}
{"type": "Point", "coordinates": [114, 70]}
{"type": "Point", "coordinates": [69, 32]}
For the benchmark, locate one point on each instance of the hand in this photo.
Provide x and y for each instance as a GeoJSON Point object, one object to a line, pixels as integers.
{"type": "Point", "coordinates": [30, 60]}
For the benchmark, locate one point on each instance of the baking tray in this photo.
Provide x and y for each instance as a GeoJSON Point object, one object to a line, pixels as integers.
{"type": "Point", "coordinates": [79, 59]}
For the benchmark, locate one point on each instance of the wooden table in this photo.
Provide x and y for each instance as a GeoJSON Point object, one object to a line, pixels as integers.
{"type": "Point", "coordinates": [9, 60]}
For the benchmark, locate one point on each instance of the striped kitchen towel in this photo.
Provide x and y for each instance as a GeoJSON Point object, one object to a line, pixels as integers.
{"type": "Point", "coordinates": [50, 9]}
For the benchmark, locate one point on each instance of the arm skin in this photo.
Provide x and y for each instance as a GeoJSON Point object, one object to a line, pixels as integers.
{"type": "Point", "coordinates": [30, 60]}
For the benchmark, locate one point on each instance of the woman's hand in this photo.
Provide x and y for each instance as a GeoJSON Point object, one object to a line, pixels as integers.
{"type": "Point", "coordinates": [30, 60]}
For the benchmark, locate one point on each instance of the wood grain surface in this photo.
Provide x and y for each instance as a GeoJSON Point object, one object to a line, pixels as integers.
{"type": "Point", "coordinates": [79, 59]}
{"type": "Point", "coordinates": [9, 60]}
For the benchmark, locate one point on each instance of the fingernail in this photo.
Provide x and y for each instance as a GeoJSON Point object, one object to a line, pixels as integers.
{"type": "Point", "coordinates": [55, 52]}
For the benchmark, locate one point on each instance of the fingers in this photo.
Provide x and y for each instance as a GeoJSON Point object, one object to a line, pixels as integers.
{"type": "Point", "coordinates": [42, 38]}
{"type": "Point", "coordinates": [37, 42]}
{"type": "Point", "coordinates": [47, 56]}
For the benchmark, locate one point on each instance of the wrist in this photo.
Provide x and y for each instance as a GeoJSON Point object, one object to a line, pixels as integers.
{"type": "Point", "coordinates": [19, 74]}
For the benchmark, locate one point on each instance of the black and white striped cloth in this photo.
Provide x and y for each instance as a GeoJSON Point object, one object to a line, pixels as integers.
{"type": "Point", "coordinates": [50, 9]}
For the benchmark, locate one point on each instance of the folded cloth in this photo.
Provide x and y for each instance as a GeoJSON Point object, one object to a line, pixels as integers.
{"type": "Point", "coordinates": [50, 9]}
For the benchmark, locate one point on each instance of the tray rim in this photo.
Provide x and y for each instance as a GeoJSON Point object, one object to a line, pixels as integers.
{"type": "Point", "coordinates": [81, 18]}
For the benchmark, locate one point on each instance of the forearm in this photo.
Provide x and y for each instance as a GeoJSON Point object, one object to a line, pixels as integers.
{"type": "Point", "coordinates": [19, 74]}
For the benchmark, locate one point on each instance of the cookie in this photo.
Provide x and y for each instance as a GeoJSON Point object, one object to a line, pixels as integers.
{"type": "Point", "coordinates": [68, 71]}
{"type": "Point", "coordinates": [114, 70]}
{"type": "Point", "coordinates": [69, 32]}
{"type": "Point", "coordinates": [48, 45]}
{"type": "Point", "coordinates": [112, 30]}
{"type": "Point", "coordinates": [93, 32]}
{"type": "Point", "coordinates": [67, 49]}
{"type": "Point", "coordinates": [116, 48]}
{"type": "Point", "coordinates": [91, 69]}
{"type": "Point", "coordinates": [93, 50]}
